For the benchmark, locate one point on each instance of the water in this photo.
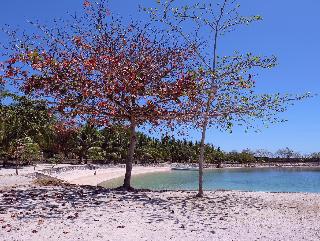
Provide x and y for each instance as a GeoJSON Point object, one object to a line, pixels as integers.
{"type": "Point", "coordinates": [246, 179]}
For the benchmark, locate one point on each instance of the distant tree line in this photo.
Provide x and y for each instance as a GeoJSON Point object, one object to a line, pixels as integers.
{"type": "Point", "coordinates": [29, 133]}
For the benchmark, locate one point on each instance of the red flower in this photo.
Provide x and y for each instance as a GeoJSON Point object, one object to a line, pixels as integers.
{"type": "Point", "coordinates": [86, 3]}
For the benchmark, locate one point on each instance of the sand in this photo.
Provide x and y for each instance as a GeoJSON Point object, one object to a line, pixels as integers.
{"type": "Point", "coordinates": [81, 175]}
{"type": "Point", "coordinates": [87, 177]}
{"type": "Point", "coordinates": [78, 213]}
{"type": "Point", "coordinates": [30, 212]}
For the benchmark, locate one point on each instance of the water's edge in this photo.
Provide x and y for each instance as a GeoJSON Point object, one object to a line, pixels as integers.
{"type": "Point", "coordinates": [261, 179]}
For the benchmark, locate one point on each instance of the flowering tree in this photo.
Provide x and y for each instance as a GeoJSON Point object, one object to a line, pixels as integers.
{"type": "Point", "coordinates": [97, 69]}
{"type": "Point", "coordinates": [228, 95]}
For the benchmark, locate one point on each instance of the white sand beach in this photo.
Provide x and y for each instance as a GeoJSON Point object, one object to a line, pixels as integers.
{"type": "Point", "coordinates": [88, 177]}
{"type": "Point", "coordinates": [72, 212]}
{"type": "Point", "coordinates": [77, 176]}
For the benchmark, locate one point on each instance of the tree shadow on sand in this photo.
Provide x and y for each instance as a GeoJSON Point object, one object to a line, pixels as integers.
{"type": "Point", "coordinates": [67, 201]}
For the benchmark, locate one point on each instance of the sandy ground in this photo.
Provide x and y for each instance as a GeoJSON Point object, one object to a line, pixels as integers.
{"type": "Point", "coordinates": [83, 213]}
{"type": "Point", "coordinates": [28, 169]}
{"type": "Point", "coordinates": [87, 177]}
{"type": "Point", "coordinates": [8, 177]}
{"type": "Point", "coordinates": [78, 177]}
{"type": "Point", "coordinates": [29, 212]}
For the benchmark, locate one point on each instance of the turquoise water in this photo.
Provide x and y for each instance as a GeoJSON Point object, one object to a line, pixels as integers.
{"type": "Point", "coordinates": [246, 179]}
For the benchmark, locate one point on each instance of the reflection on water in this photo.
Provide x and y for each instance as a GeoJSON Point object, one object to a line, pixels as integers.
{"type": "Point", "coordinates": [249, 179]}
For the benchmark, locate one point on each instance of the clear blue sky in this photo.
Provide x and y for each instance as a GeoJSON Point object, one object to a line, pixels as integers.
{"type": "Point", "coordinates": [290, 30]}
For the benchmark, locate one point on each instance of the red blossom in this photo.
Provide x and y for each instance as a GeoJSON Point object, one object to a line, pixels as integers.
{"type": "Point", "coordinates": [86, 3]}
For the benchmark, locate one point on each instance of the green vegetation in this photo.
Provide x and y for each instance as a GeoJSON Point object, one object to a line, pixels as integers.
{"type": "Point", "coordinates": [29, 134]}
{"type": "Point", "coordinates": [28, 131]}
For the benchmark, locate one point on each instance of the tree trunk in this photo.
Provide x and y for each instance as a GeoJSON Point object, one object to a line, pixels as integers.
{"type": "Point", "coordinates": [203, 137]}
{"type": "Point", "coordinates": [80, 160]}
{"type": "Point", "coordinates": [17, 173]}
{"type": "Point", "coordinates": [201, 157]}
{"type": "Point", "coordinates": [4, 163]}
{"type": "Point", "coordinates": [130, 155]}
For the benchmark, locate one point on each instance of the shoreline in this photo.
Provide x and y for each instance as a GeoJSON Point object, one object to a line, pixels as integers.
{"type": "Point", "coordinates": [93, 175]}
{"type": "Point", "coordinates": [87, 177]}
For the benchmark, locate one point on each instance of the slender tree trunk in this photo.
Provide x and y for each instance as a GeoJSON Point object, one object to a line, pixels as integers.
{"type": "Point", "coordinates": [80, 160]}
{"type": "Point", "coordinates": [130, 155]}
{"type": "Point", "coordinates": [201, 157]}
{"type": "Point", "coordinates": [17, 173]}
{"type": "Point", "coordinates": [4, 164]}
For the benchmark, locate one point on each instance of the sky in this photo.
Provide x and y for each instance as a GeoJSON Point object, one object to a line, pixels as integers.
{"type": "Point", "coordinates": [290, 30]}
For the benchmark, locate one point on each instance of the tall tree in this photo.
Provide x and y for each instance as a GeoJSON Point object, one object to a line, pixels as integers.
{"type": "Point", "coordinates": [96, 68]}
{"type": "Point", "coordinates": [228, 95]}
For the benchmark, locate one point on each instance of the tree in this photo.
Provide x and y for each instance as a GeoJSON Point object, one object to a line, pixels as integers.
{"type": "Point", "coordinates": [228, 96]}
{"type": "Point", "coordinates": [22, 117]}
{"type": "Point", "coordinates": [96, 153]}
{"type": "Point", "coordinates": [115, 142]}
{"type": "Point", "coordinates": [64, 138]}
{"type": "Point", "coordinates": [246, 157]}
{"type": "Point", "coordinates": [99, 70]}
{"type": "Point", "coordinates": [263, 153]}
{"type": "Point", "coordinates": [87, 137]}
{"type": "Point", "coordinates": [315, 155]}
{"type": "Point", "coordinates": [2, 121]}
{"type": "Point", "coordinates": [25, 151]}
{"type": "Point", "coordinates": [285, 153]}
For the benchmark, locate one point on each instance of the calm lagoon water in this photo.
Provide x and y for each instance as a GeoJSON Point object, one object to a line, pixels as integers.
{"type": "Point", "coordinates": [246, 179]}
